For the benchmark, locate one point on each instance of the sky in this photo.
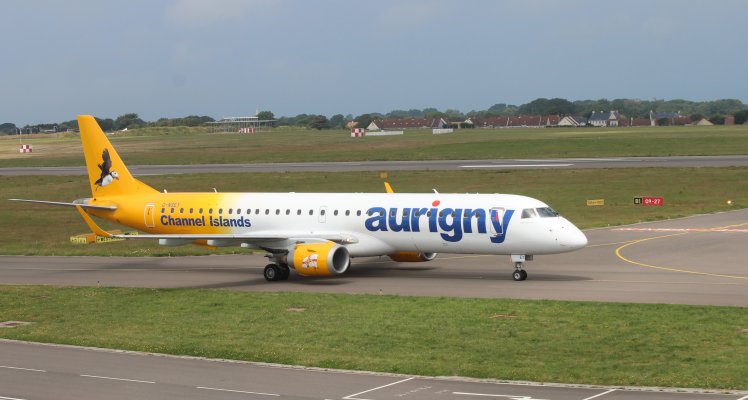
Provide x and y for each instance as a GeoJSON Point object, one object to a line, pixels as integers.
{"type": "Point", "coordinates": [173, 58]}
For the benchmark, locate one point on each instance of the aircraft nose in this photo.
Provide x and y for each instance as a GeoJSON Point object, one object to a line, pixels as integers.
{"type": "Point", "coordinates": [572, 238]}
{"type": "Point", "coordinates": [578, 239]}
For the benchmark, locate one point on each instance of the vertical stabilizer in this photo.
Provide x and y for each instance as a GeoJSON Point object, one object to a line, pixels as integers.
{"type": "Point", "coordinates": [107, 174]}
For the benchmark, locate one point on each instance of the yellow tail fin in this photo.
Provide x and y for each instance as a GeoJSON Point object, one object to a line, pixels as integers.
{"type": "Point", "coordinates": [107, 174]}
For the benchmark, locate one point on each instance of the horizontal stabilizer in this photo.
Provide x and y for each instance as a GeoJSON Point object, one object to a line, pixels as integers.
{"type": "Point", "coordinates": [59, 203]}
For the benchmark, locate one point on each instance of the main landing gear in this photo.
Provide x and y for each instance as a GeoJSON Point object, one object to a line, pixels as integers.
{"type": "Point", "coordinates": [519, 273]}
{"type": "Point", "coordinates": [278, 269]}
{"type": "Point", "coordinates": [275, 272]}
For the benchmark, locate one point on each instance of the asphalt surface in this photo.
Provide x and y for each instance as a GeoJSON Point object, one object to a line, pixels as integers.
{"type": "Point", "coordinates": [31, 371]}
{"type": "Point", "coordinates": [695, 260]}
{"type": "Point", "coordinates": [436, 165]}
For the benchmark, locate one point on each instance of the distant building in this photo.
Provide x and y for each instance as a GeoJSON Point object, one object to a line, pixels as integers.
{"type": "Point", "coordinates": [610, 119]}
{"type": "Point", "coordinates": [641, 122]}
{"type": "Point", "coordinates": [240, 124]}
{"type": "Point", "coordinates": [526, 121]}
{"type": "Point", "coordinates": [573, 121]}
{"type": "Point", "coordinates": [668, 118]}
{"type": "Point", "coordinates": [730, 120]}
{"type": "Point", "coordinates": [487, 122]}
{"type": "Point", "coordinates": [407, 123]}
{"type": "Point", "coordinates": [522, 121]}
{"type": "Point", "coordinates": [552, 120]}
{"type": "Point", "coordinates": [54, 129]}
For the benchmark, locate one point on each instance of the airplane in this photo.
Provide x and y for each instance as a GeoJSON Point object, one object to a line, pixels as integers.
{"type": "Point", "coordinates": [317, 234]}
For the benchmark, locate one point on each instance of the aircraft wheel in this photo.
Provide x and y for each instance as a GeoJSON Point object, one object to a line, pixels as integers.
{"type": "Point", "coordinates": [272, 273]}
{"type": "Point", "coordinates": [524, 274]}
{"type": "Point", "coordinates": [517, 275]}
{"type": "Point", "coordinates": [284, 272]}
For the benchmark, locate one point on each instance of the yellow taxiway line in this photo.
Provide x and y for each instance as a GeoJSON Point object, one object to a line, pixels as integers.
{"type": "Point", "coordinates": [685, 271]}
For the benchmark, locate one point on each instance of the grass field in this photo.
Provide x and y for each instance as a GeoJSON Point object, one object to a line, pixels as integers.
{"type": "Point", "coordinates": [196, 146]}
{"type": "Point", "coordinates": [549, 341]}
{"type": "Point", "coordinates": [687, 191]}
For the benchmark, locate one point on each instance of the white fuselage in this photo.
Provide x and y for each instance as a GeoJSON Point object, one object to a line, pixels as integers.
{"type": "Point", "coordinates": [383, 223]}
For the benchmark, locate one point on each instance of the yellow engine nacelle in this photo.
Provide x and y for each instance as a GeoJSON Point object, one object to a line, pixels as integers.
{"type": "Point", "coordinates": [319, 259]}
{"type": "Point", "coordinates": [412, 256]}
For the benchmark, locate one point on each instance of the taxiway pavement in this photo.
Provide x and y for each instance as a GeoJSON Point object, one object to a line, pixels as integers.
{"type": "Point", "coordinates": [695, 260]}
{"type": "Point", "coordinates": [435, 165]}
{"type": "Point", "coordinates": [30, 371]}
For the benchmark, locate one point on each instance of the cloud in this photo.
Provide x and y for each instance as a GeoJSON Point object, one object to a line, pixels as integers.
{"type": "Point", "coordinates": [199, 13]}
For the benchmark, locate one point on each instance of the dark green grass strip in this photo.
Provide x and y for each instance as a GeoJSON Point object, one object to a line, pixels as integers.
{"type": "Point", "coordinates": [574, 342]}
{"type": "Point", "coordinates": [42, 230]}
{"type": "Point", "coordinates": [195, 146]}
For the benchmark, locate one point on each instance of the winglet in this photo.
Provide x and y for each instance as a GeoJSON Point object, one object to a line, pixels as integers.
{"type": "Point", "coordinates": [91, 224]}
{"type": "Point", "coordinates": [388, 188]}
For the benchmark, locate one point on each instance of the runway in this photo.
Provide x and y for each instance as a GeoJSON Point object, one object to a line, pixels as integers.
{"type": "Point", "coordinates": [435, 165]}
{"type": "Point", "coordinates": [30, 371]}
{"type": "Point", "coordinates": [695, 260]}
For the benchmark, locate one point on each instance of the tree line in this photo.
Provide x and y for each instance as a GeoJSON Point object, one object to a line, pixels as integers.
{"type": "Point", "coordinates": [125, 121]}
{"type": "Point", "coordinates": [715, 110]}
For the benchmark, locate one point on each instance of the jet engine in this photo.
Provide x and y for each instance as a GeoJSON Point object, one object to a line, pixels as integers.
{"type": "Point", "coordinates": [412, 256]}
{"type": "Point", "coordinates": [319, 259]}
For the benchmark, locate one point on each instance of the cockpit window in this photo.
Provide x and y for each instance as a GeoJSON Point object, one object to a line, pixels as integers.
{"type": "Point", "coordinates": [529, 213]}
{"type": "Point", "coordinates": [547, 212]}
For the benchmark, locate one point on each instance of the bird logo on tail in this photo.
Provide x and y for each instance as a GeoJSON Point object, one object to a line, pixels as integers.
{"type": "Point", "coordinates": [107, 175]}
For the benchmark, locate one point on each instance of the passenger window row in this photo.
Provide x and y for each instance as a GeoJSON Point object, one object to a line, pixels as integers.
{"type": "Point", "coordinates": [257, 211]}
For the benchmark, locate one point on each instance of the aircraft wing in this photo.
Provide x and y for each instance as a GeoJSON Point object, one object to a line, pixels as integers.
{"type": "Point", "coordinates": [250, 237]}
{"type": "Point", "coordinates": [267, 239]}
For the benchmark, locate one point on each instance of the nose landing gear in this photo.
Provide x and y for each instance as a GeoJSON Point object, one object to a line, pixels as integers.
{"type": "Point", "coordinates": [519, 273]}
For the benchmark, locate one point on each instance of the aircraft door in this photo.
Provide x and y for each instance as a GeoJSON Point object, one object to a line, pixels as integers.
{"type": "Point", "coordinates": [497, 215]}
{"type": "Point", "coordinates": [149, 215]}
